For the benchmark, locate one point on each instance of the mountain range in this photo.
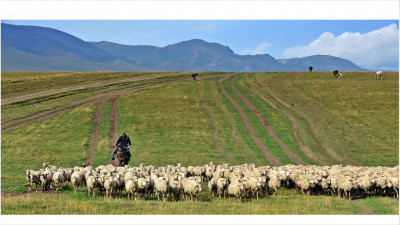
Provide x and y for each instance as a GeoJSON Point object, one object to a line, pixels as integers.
{"type": "Point", "coordinates": [34, 48]}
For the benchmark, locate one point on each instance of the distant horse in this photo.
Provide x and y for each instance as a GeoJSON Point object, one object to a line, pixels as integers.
{"type": "Point", "coordinates": [337, 74]}
{"type": "Point", "coordinates": [194, 76]}
{"type": "Point", "coordinates": [379, 75]}
{"type": "Point", "coordinates": [310, 68]}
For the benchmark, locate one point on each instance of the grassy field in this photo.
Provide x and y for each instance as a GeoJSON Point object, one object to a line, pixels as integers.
{"type": "Point", "coordinates": [193, 122]}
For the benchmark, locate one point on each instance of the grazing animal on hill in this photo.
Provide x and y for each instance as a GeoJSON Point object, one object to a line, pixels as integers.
{"type": "Point", "coordinates": [379, 75]}
{"type": "Point", "coordinates": [194, 76]}
{"type": "Point", "coordinates": [337, 74]}
{"type": "Point", "coordinates": [310, 68]}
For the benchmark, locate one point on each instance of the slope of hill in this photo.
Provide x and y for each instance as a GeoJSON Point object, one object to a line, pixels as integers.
{"type": "Point", "coordinates": [322, 63]}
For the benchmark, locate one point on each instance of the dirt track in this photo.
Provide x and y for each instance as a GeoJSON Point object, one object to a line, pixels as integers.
{"type": "Point", "coordinates": [217, 142]}
{"type": "Point", "coordinates": [269, 156]}
{"type": "Point", "coordinates": [79, 87]}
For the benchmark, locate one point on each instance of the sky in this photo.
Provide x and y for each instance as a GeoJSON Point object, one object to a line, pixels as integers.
{"type": "Point", "coordinates": [371, 44]}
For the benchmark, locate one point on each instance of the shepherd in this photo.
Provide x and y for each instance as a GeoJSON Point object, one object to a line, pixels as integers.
{"type": "Point", "coordinates": [125, 143]}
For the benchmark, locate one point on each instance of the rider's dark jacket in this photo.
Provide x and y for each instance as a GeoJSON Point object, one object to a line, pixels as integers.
{"type": "Point", "coordinates": [125, 141]}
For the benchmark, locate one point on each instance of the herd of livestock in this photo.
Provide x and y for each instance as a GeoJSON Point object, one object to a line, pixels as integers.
{"type": "Point", "coordinates": [241, 181]}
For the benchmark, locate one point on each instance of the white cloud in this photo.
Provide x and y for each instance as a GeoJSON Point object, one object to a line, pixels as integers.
{"type": "Point", "coordinates": [378, 49]}
{"type": "Point", "coordinates": [211, 27]}
{"type": "Point", "coordinates": [260, 49]}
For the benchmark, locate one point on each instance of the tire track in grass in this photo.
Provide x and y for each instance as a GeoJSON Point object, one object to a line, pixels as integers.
{"type": "Point", "coordinates": [307, 151]}
{"type": "Point", "coordinates": [269, 156]}
{"type": "Point", "coordinates": [271, 132]}
{"type": "Point", "coordinates": [10, 125]}
{"type": "Point", "coordinates": [217, 142]}
{"type": "Point", "coordinates": [235, 134]}
{"type": "Point", "coordinates": [314, 128]}
{"type": "Point", "coordinates": [114, 126]}
{"type": "Point", "coordinates": [95, 134]}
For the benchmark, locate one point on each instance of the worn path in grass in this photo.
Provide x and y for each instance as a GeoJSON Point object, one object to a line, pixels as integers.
{"type": "Point", "coordinates": [314, 128]}
{"type": "Point", "coordinates": [271, 132]}
{"type": "Point", "coordinates": [320, 159]}
{"type": "Point", "coordinates": [95, 134]}
{"type": "Point", "coordinates": [114, 126]}
{"type": "Point", "coordinates": [92, 99]}
{"type": "Point", "coordinates": [217, 142]}
{"type": "Point", "coordinates": [79, 87]}
{"type": "Point", "coordinates": [269, 156]}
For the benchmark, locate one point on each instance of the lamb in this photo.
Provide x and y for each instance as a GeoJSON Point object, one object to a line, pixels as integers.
{"type": "Point", "coordinates": [58, 179]}
{"type": "Point", "coordinates": [76, 180]}
{"type": "Point", "coordinates": [222, 185]}
{"type": "Point", "coordinates": [212, 186]}
{"type": "Point", "coordinates": [45, 178]}
{"type": "Point", "coordinates": [91, 184]}
{"type": "Point", "coordinates": [131, 187]}
{"type": "Point", "coordinates": [379, 75]}
{"type": "Point", "coordinates": [161, 187]}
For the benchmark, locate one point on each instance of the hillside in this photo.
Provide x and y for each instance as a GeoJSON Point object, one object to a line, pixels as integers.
{"type": "Point", "coordinates": [33, 48]}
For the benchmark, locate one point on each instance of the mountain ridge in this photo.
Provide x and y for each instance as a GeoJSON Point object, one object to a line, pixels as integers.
{"type": "Point", "coordinates": [26, 48]}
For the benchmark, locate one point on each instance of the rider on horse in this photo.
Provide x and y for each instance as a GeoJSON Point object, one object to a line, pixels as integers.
{"type": "Point", "coordinates": [123, 142]}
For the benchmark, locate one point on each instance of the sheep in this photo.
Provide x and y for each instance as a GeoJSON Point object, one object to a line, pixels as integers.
{"type": "Point", "coordinates": [51, 167]}
{"type": "Point", "coordinates": [222, 185]}
{"type": "Point", "coordinates": [142, 185]}
{"type": "Point", "coordinates": [58, 179]}
{"type": "Point", "coordinates": [191, 188]}
{"type": "Point", "coordinates": [175, 189]}
{"type": "Point", "coordinates": [161, 187]}
{"type": "Point", "coordinates": [379, 75]}
{"type": "Point", "coordinates": [46, 178]}
{"type": "Point", "coordinates": [131, 187]}
{"type": "Point", "coordinates": [110, 185]}
{"type": "Point", "coordinates": [212, 186]}
{"type": "Point", "coordinates": [34, 178]}
{"type": "Point", "coordinates": [120, 184]}
{"type": "Point", "coordinates": [236, 189]}
{"type": "Point", "coordinates": [252, 186]}
{"type": "Point", "coordinates": [345, 186]}
{"type": "Point", "coordinates": [76, 180]}
{"type": "Point", "coordinates": [274, 183]}
{"type": "Point", "coordinates": [92, 183]}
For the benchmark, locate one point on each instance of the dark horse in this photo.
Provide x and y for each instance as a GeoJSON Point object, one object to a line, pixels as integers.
{"type": "Point", "coordinates": [121, 156]}
{"type": "Point", "coordinates": [194, 76]}
{"type": "Point", "coordinates": [310, 68]}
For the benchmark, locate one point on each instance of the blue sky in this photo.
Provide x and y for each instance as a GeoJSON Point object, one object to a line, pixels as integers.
{"type": "Point", "coordinates": [357, 40]}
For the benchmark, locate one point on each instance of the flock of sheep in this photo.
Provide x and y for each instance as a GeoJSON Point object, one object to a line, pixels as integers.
{"type": "Point", "coordinates": [241, 181]}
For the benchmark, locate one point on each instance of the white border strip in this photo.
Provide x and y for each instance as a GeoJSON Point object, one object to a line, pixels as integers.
{"type": "Point", "coordinates": [184, 10]}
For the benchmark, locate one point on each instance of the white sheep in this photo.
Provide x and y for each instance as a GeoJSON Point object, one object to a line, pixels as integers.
{"type": "Point", "coordinates": [131, 187]}
{"type": "Point", "coordinates": [161, 187]}
{"type": "Point", "coordinates": [58, 179]}
{"type": "Point", "coordinates": [222, 185]}
{"type": "Point", "coordinates": [110, 186]}
{"type": "Point", "coordinates": [212, 186]}
{"type": "Point", "coordinates": [379, 75]}
{"type": "Point", "coordinates": [91, 184]}
{"type": "Point", "coordinates": [76, 180]}
{"type": "Point", "coordinates": [236, 189]}
{"type": "Point", "coordinates": [46, 178]}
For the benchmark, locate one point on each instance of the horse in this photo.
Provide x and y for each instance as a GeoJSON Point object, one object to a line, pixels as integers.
{"type": "Point", "coordinates": [337, 74]}
{"type": "Point", "coordinates": [121, 156]}
{"type": "Point", "coordinates": [194, 76]}
{"type": "Point", "coordinates": [310, 68]}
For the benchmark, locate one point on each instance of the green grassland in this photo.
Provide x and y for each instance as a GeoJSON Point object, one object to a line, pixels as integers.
{"type": "Point", "coordinates": [192, 122]}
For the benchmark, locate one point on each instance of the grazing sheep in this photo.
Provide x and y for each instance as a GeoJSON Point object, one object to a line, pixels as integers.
{"type": "Point", "coordinates": [191, 189]}
{"type": "Point", "coordinates": [379, 75]}
{"type": "Point", "coordinates": [142, 186]}
{"type": "Point", "coordinates": [58, 179]}
{"type": "Point", "coordinates": [252, 186]}
{"type": "Point", "coordinates": [34, 178]}
{"type": "Point", "coordinates": [51, 167]}
{"type": "Point", "coordinates": [345, 186]}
